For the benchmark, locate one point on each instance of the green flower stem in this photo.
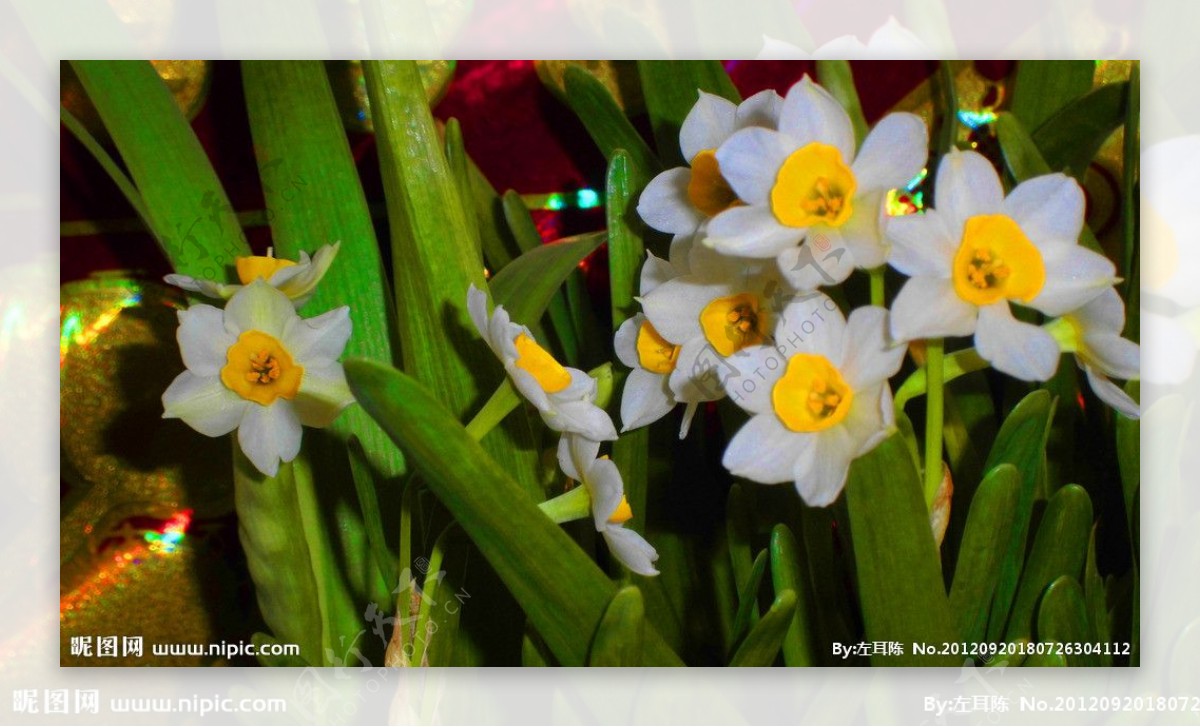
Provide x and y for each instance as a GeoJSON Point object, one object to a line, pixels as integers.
{"type": "Point", "coordinates": [876, 285]}
{"type": "Point", "coordinates": [934, 411]}
{"type": "Point", "coordinates": [500, 405]}
{"type": "Point", "coordinates": [574, 504]}
{"type": "Point", "coordinates": [421, 635]}
{"type": "Point", "coordinates": [404, 566]}
{"type": "Point", "coordinates": [956, 364]}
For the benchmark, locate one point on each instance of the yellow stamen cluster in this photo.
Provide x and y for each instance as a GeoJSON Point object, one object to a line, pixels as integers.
{"type": "Point", "coordinates": [734, 322]}
{"type": "Point", "coordinates": [258, 368]}
{"type": "Point", "coordinates": [811, 395]}
{"type": "Point", "coordinates": [813, 187]}
{"type": "Point", "coordinates": [655, 353]}
{"type": "Point", "coordinates": [708, 191]}
{"type": "Point", "coordinates": [540, 364]}
{"type": "Point", "coordinates": [263, 368]}
{"type": "Point", "coordinates": [996, 261]}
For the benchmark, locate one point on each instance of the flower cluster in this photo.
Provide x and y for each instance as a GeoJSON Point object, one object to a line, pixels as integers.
{"type": "Point", "coordinates": [256, 366]}
{"type": "Point", "coordinates": [778, 201]}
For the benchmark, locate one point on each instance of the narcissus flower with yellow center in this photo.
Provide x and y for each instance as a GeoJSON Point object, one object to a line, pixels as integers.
{"type": "Point", "coordinates": [295, 279]}
{"type": "Point", "coordinates": [819, 398]}
{"type": "Point", "coordinates": [681, 200]}
{"type": "Point", "coordinates": [260, 368]}
{"type": "Point", "coordinates": [1094, 333]}
{"type": "Point", "coordinates": [564, 396]}
{"type": "Point", "coordinates": [807, 183]}
{"type": "Point", "coordinates": [577, 457]}
{"type": "Point", "coordinates": [977, 252]}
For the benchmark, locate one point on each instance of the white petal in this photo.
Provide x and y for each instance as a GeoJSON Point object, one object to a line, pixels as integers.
{"type": "Point", "coordinates": [204, 404]}
{"type": "Point", "coordinates": [861, 234]}
{"type": "Point", "coordinates": [631, 550]}
{"type": "Point", "coordinates": [645, 399]}
{"type": "Point", "coordinates": [750, 160]}
{"type": "Point", "coordinates": [576, 454]}
{"type": "Point", "coordinates": [301, 285]}
{"type": "Point", "coordinates": [822, 260]}
{"type": "Point", "coordinates": [655, 272]}
{"type": "Point", "coordinates": [529, 388]}
{"type": "Point", "coordinates": [774, 49]}
{"type": "Point", "coordinates": [582, 387]}
{"type": "Point", "coordinates": [203, 341]}
{"type": "Point", "coordinates": [870, 418]}
{"type": "Point", "coordinates": [581, 417]}
{"type": "Point", "coordinates": [1074, 276]}
{"type": "Point", "coordinates": [820, 470]}
{"type": "Point", "coordinates": [625, 341]}
{"type": "Point", "coordinates": [967, 185]}
{"type": "Point", "coordinates": [259, 307]}
{"type": "Point", "coordinates": [323, 395]}
{"type": "Point", "coordinates": [920, 244]}
{"type": "Point", "coordinates": [761, 109]}
{"type": "Point", "coordinates": [1048, 208]}
{"type": "Point", "coordinates": [269, 434]}
{"type": "Point", "coordinates": [503, 333]}
{"type": "Point", "coordinates": [665, 206]}
{"type": "Point", "coordinates": [1111, 394]}
{"type": "Point", "coordinates": [929, 308]}
{"type": "Point", "coordinates": [892, 154]}
{"type": "Point", "coordinates": [759, 368]}
{"type": "Point", "coordinates": [810, 114]}
{"type": "Point", "coordinates": [750, 231]}
{"type": "Point", "coordinates": [811, 324]}
{"type": "Point", "coordinates": [477, 307]}
{"type": "Point", "coordinates": [689, 412]}
{"type": "Point", "coordinates": [674, 307]}
{"type": "Point", "coordinates": [320, 340]}
{"type": "Point", "coordinates": [764, 450]}
{"type": "Point", "coordinates": [603, 481]}
{"type": "Point", "coordinates": [1013, 347]}
{"type": "Point", "coordinates": [681, 249]}
{"type": "Point", "coordinates": [1103, 314]}
{"type": "Point", "coordinates": [700, 372]}
{"type": "Point", "coordinates": [869, 357]}
{"type": "Point", "coordinates": [1112, 355]}
{"type": "Point", "coordinates": [210, 288]}
{"type": "Point", "coordinates": [709, 123]}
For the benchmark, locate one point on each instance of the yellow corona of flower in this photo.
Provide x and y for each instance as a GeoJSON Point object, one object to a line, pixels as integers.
{"type": "Point", "coordinates": [295, 279]}
{"type": "Point", "coordinates": [978, 252]}
{"type": "Point", "coordinates": [565, 397]}
{"type": "Point", "coordinates": [806, 183]}
{"type": "Point", "coordinates": [259, 368]}
{"type": "Point", "coordinates": [818, 397]}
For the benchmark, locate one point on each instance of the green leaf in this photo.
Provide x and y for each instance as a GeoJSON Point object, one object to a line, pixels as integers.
{"type": "Point", "coordinates": [1020, 442]}
{"type": "Point", "coordinates": [1044, 660]}
{"type": "Point", "coordinates": [499, 247]}
{"type": "Point", "coordinates": [747, 612]}
{"type": "Point", "coordinates": [1071, 137]}
{"type": "Point", "coordinates": [988, 532]}
{"type": "Point", "coordinates": [618, 640]}
{"type": "Point", "coordinates": [1062, 618]}
{"type": "Point", "coordinates": [899, 578]}
{"type": "Point", "coordinates": [527, 285]}
{"type": "Point", "coordinates": [786, 575]}
{"type": "Point", "coordinates": [738, 531]}
{"type": "Point", "coordinates": [1129, 461]}
{"type": "Point", "coordinates": [1130, 211]}
{"type": "Point", "coordinates": [604, 120]}
{"type": "Point", "coordinates": [1059, 549]}
{"type": "Point", "coordinates": [762, 643]}
{"type": "Point", "coordinates": [368, 501]}
{"type": "Point", "coordinates": [1040, 88]}
{"type": "Point", "coordinates": [460, 169]}
{"type": "Point", "coordinates": [187, 209]}
{"type": "Point", "coordinates": [264, 642]}
{"type": "Point", "coordinates": [562, 591]}
{"type": "Point", "coordinates": [838, 79]}
{"type": "Point", "coordinates": [671, 89]}
{"type": "Point", "coordinates": [1095, 597]}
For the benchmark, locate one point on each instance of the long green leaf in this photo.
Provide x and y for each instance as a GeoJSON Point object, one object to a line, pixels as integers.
{"type": "Point", "coordinates": [762, 644]}
{"type": "Point", "coordinates": [899, 578]}
{"type": "Point", "coordinates": [368, 500]}
{"type": "Point", "coordinates": [604, 120]}
{"type": "Point", "coordinates": [747, 612]}
{"type": "Point", "coordinates": [988, 532]}
{"type": "Point", "coordinates": [786, 575]}
{"type": "Point", "coordinates": [1062, 618]}
{"type": "Point", "coordinates": [1094, 595]}
{"type": "Point", "coordinates": [838, 79]}
{"type": "Point", "coordinates": [618, 640]}
{"type": "Point", "coordinates": [1071, 137]}
{"type": "Point", "coordinates": [1021, 442]}
{"type": "Point", "coordinates": [671, 89]}
{"type": "Point", "coordinates": [187, 209]}
{"type": "Point", "coordinates": [1040, 88]}
{"type": "Point", "coordinates": [563, 592]}
{"type": "Point", "coordinates": [1059, 549]}
{"type": "Point", "coordinates": [527, 285]}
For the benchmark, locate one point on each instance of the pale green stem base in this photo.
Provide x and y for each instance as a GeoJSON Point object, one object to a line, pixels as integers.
{"type": "Point", "coordinates": [934, 412]}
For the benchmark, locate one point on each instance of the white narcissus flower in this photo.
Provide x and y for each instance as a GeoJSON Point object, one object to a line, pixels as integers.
{"type": "Point", "coordinates": [1101, 352]}
{"type": "Point", "coordinates": [565, 397]}
{"type": "Point", "coordinates": [978, 251]}
{"type": "Point", "coordinates": [297, 280]}
{"type": "Point", "coordinates": [720, 307]}
{"type": "Point", "coordinates": [577, 456]}
{"type": "Point", "coordinates": [260, 368]}
{"type": "Point", "coordinates": [819, 398]}
{"type": "Point", "coordinates": [806, 183]}
{"type": "Point", "coordinates": [681, 200]}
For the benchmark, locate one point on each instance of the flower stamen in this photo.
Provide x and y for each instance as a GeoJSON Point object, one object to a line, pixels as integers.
{"type": "Point", "coordinates": [811, 395]}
